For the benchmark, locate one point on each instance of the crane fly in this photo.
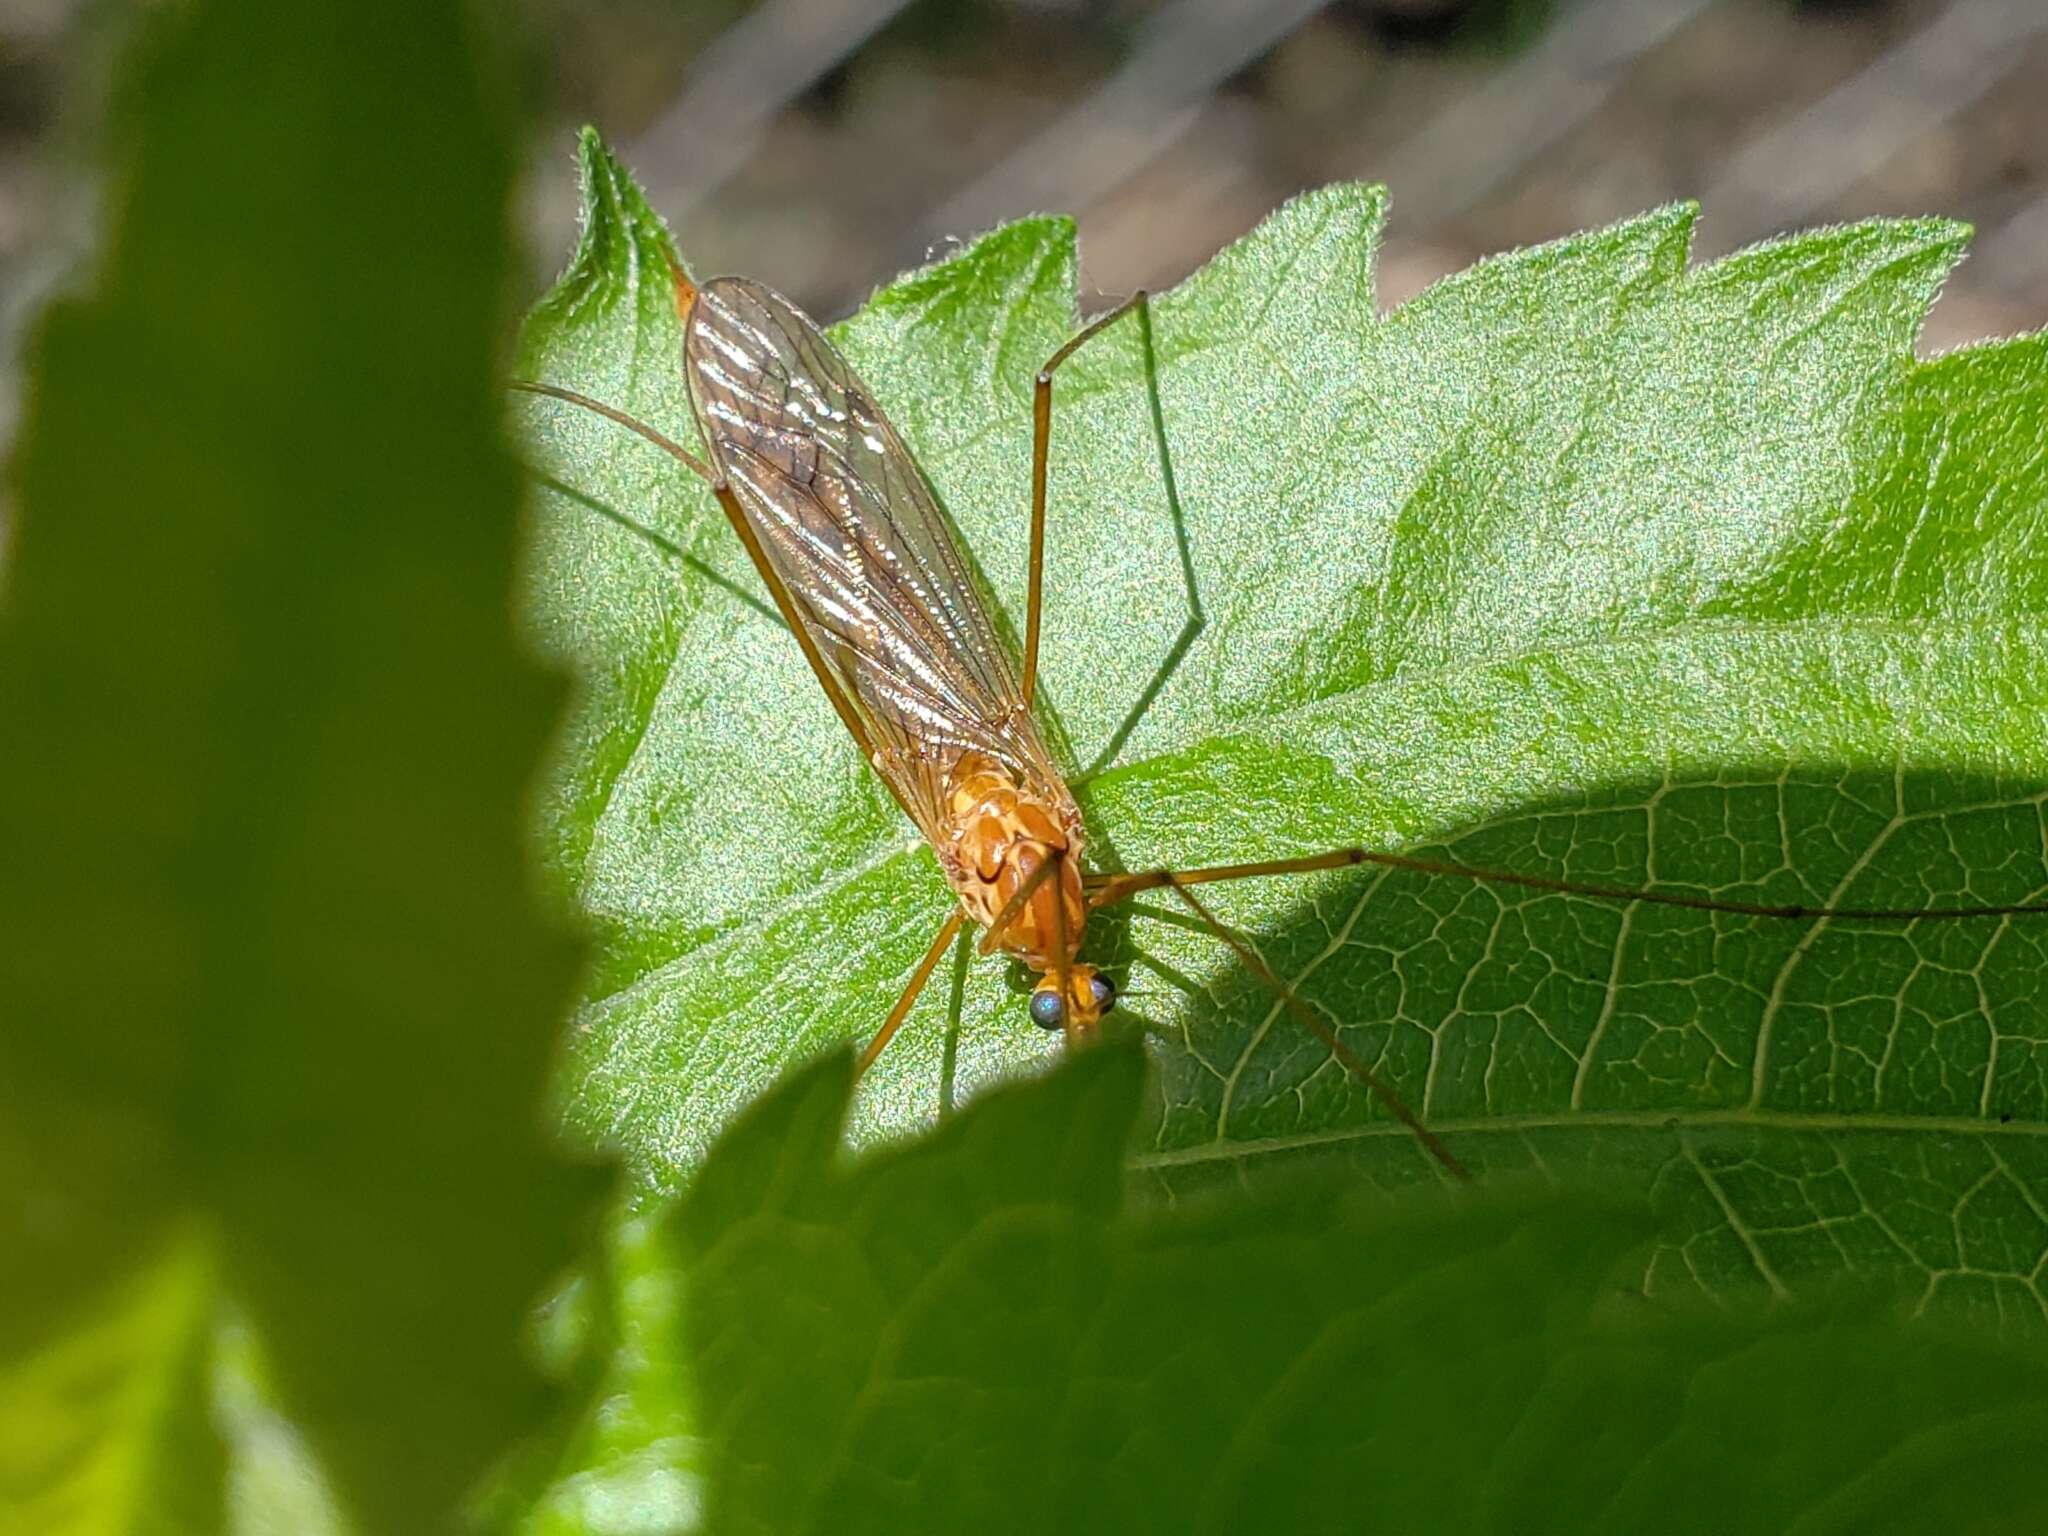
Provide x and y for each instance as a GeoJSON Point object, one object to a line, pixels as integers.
{"type": "Point", "coordinates": [867, 574]}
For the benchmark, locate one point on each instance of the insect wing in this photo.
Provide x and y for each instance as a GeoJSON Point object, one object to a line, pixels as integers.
{"type": "Point", "coordinates": [853, 532]}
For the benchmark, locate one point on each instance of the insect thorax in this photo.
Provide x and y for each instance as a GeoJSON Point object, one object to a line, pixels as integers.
{"type": "Point", "coordinates": [1001, 833]}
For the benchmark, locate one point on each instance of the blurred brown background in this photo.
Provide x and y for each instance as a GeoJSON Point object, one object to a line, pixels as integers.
{"type": "Point", "coordinates": [824, 145]}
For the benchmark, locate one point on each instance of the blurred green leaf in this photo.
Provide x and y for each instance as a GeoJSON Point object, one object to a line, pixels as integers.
{"type": "Point", "coordinates": [273, 991]}
{"type": "Point", "coordinates": [275, 1486]}
{"type": "Point", "coordinates": [633, 1461]}
{"type": "Point", "coordinates": [104, 1425]}
{"type": "Point", "coordinates": [971, 1334]}
{"type": "Point", "coordinates": [1647, 574]}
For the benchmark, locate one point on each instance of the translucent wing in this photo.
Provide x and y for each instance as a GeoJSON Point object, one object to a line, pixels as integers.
{"type": "Point", "coordinates": [869, 562]}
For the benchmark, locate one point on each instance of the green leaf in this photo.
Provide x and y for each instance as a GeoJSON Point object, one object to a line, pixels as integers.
{"type": "Point", "coordinates": [273, 992]}
{"type": "Point", "coordinates": [633, 1461]}
{"type": "Point", "coordinates": [275, 1482]}
{"type": "Point", "coordinates": [1585, 564]}
{"type": "Point", "coordinates": [972, 1334]}
{"type": "Point", "coordinates": [103, 1427]}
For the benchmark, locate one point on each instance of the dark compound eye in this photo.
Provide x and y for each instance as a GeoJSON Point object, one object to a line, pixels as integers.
{"type": "Point", "coordinates": [1047, 1011]}
{"type": "Point", "coordinates": [1105, 992]}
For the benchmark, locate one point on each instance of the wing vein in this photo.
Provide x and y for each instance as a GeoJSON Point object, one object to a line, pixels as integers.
{"type": "Point", "coordinates": [859, 541]}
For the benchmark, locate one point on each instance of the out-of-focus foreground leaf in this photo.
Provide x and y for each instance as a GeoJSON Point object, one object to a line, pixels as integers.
{"type": "Point", "coordinates": [1654, 575]}
{"type": "Point", "coordinates": [277, 1011]}
{"type": "Point", "coordinates": [973, 1334]}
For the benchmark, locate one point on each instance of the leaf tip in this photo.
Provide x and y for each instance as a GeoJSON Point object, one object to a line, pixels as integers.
{"type": "Point", "coordinates": [781, 1143]}
{"type": "Point", "coordinates": [1030, 253]}
{"type": "Point", "coordinates": [616, 223]}
{"type": "Point", "coordinates": [1316, 254]}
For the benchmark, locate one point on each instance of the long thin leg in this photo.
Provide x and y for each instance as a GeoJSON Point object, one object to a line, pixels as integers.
{"type": "Point", "coordinates": [1041, 445]}
{"type": "Point", "coordinates": [1107, 890]}
{"type": "Point", "coordinates": [1013, 906]}
{"type": "Point", "coordinates": [940, 942]}
{"type": "Point", "coordinates": [612, 413]}
{"type": "Point", "coordinates": [1347, 1057]}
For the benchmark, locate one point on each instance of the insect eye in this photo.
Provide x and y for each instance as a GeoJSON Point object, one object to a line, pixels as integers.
{"type": "Point", "coordinates": [1105, 992]}
{"type": "Point", "coordinates": [1047, 1010]}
